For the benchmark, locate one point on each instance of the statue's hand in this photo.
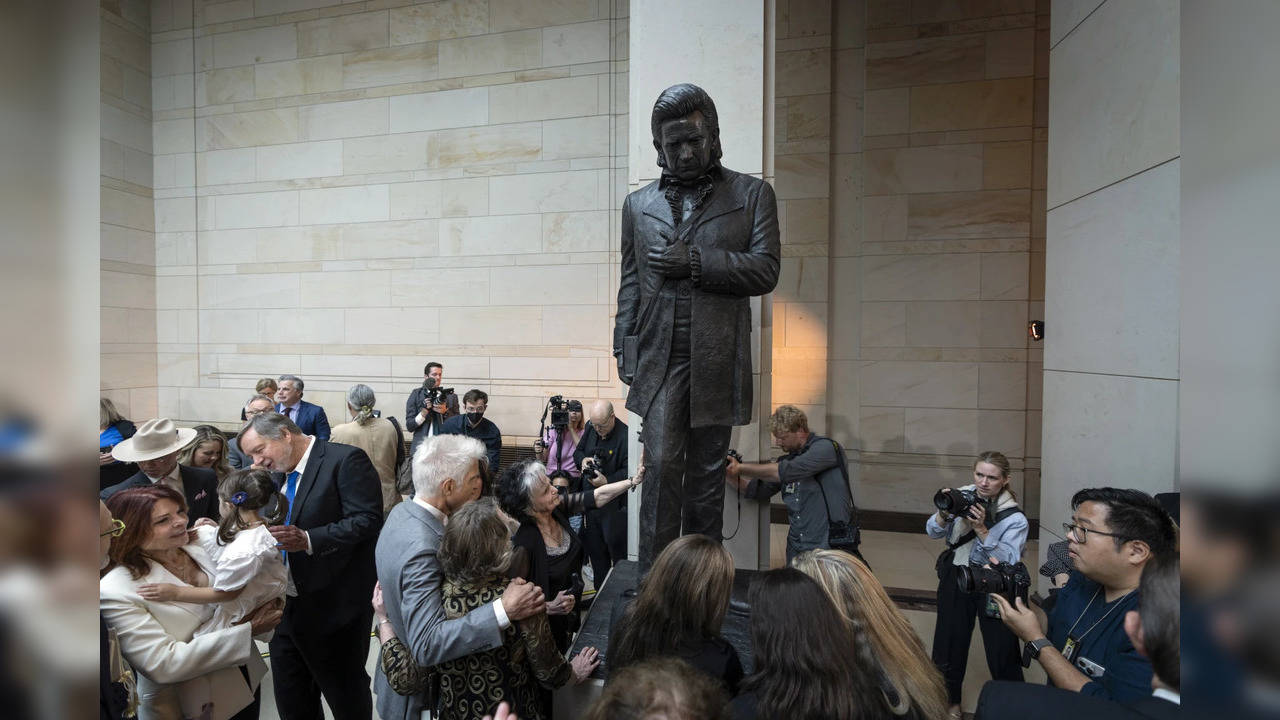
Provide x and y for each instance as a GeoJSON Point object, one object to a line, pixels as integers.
{"type": "Point", "coordinates": [672, 260]}
{"type": "Point", "coordinates": [622, 372]}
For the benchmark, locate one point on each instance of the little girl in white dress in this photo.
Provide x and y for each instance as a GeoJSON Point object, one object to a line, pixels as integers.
{"type": "Point", "coordinates": [250, 569]}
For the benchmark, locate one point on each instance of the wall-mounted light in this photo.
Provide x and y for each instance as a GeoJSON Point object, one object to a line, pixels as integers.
{"type": "Point", "coordinates": [1035, 329]}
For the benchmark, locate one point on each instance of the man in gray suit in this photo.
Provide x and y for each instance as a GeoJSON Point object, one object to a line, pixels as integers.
{"type": "Point", "coordinates": [446, 476]}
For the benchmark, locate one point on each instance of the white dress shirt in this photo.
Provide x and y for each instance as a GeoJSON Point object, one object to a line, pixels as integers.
{"type": "Point", "coordinates": [173, 480]}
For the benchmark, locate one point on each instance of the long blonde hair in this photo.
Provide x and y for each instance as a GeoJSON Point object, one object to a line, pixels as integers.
{"type": "Point", "coordinates": [881, 632]}
{"type": "Point", "coordinates": [204, 434]}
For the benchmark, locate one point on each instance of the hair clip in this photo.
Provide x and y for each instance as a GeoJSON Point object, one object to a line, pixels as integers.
{"type": "Point", "coordinates": [239, 498]}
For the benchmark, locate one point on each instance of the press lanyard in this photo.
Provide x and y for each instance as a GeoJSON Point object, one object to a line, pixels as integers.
{"type": "Point", "coordinates": [1073, 643]}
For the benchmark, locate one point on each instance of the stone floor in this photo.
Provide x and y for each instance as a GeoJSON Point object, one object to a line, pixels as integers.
{"type": "Point", "coordinates": [900, 560]}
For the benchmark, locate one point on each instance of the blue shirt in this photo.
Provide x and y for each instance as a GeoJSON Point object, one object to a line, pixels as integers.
{"type": "Point", "coordinates": [1005, 540]}
{"type": "Point", "coordinates": [1126, 674]}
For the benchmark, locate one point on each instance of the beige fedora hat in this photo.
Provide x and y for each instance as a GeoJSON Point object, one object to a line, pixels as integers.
{"type": "Point", "coordinates": [156, 438]}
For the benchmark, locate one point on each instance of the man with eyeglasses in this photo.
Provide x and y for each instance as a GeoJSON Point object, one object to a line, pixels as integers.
{"type": "Point", "coordinates": [603, 447]}
{"type": "Point", "coordinates": [257, 405]}
{"type": "Point", "coordinates": [1082, 644]}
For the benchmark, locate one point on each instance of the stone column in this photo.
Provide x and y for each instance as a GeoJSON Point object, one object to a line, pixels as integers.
{"type": "Point", "coordinates": [725, 47]}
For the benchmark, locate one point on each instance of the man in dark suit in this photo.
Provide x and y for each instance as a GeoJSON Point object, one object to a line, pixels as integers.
{"type": "Point", "coordinates": [1153, 629]}
{"type": "Point", "coordinates": [335, 513]}
{"type": "Point", "coordinates": [305, 415]}
{"type": "Point", "coordinates": [697, 245]}
{"type": "Point", "coordinates": [155, 449]}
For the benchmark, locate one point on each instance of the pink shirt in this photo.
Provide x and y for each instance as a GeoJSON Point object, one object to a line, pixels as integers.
{"type": "Point", "coordinates": [562, 460]}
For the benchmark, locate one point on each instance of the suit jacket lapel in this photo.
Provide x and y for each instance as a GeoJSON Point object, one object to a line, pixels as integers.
{"type": "Point", "coordinates": [659, 210]}
{"type": "Point", "coordinates": [722, 201]}
{"type": "Point", "coordinates": [308, 479]}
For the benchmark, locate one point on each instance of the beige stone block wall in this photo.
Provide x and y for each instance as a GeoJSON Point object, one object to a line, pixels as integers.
{"type": "Point", "coordinates": [346, 191]}
{"type": "Point", "coordinates": [129, 363]}
{"type": "Point", "coordinates": [952, 227]}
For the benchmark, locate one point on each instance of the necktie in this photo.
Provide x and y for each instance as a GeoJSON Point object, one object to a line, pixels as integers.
{"type": "Point", "coordinates": [290, 487]}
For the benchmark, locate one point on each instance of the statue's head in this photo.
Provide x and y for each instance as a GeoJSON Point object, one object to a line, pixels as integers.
{"type": "Point", "coordinates": [686, 131]}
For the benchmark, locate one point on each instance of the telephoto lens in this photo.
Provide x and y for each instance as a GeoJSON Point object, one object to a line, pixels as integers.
{"type": "Point", "coordinates": [1009, 581]}
{"type": "Point", "coordinates": [956, 502]}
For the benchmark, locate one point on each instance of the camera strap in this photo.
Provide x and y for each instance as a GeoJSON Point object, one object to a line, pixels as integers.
{"type": "Point", "coordinates": [971, 534]}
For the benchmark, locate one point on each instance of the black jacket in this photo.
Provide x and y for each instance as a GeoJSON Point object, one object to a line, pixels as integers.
{"type": "Point", "coordinates": [200, 485]}
{"type": "Point", "coordinates": [735, 236]}
{"type": "Point", "coordinates": [339, 503]}
{"type": "Point", "coordinates": [1019, 700]}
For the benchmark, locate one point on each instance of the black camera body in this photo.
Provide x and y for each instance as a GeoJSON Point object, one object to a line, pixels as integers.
{"type": "Point", "coordinates": [559, 411]}
{"type": "Point", "coordinates": [1003, 579]}
{"type": "Point", "coordinates": [593, 471]}
{"type": "Point", "coordinates": [436, 395]}
{"type": "Point", "coordinates": [734, 454]}
{"type": "Point", "coordinates": [956, 502]}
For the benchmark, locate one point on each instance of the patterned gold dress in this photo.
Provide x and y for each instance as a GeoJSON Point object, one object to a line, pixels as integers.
{"type": "Point", "coordinates": [526, 664]}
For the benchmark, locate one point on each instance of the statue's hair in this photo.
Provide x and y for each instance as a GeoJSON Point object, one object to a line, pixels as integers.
{"type": "Point", "coordinates": [679, 101]}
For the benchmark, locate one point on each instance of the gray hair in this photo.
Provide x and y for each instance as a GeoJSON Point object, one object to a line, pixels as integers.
{"type": "Point", "coordinates": [476, 544]}
{"type": "Point", "coordinates": [443, 456]}
{"type": "Point", "coordinates": [297, 381]}
{"type": "Point", "coordinates": [269, 425]}
{"type": "Point", "coordinates": [256, 397]}
{"type": "Point", "coordinates": [529, 477]}
{"type": "Point", "coordinates": [361, 399]}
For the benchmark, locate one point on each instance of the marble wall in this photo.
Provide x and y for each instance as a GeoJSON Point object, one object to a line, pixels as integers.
{"type": "Point", "coordinates": [345, 191]}
{"type": "Point", "coordinates": [128, 254]}
{"type": "Point", "coordinates": [1111, 293]}
{"type": "Point", "coordinates": [943, 268]}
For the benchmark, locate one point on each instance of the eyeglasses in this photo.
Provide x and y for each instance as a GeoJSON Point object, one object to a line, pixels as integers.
{"type": "Point", "coordinates": [1082, 532]}
{"type": "Point", "coordinates": [117, 529]}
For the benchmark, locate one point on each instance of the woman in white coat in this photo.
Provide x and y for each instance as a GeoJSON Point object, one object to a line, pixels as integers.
{"type": "Point", "coordinates": [157, 638]}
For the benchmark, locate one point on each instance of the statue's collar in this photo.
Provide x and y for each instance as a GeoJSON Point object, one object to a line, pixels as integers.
{"type": "Point", "coordinates": [711, 176]}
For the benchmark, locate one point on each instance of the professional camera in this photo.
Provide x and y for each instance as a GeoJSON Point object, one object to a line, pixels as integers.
{"type": "Point", "coordinates": [435, 395]}
{"type": "Point", "coordinates": [559, 411]}
{"type": "Point", "coordinates": [956, 502]}
{"type": "Point", "coordinates": [1008, 581]}
{"type": "Point", "coordinates": [592, 471]}
{"type": "Point", "coordinates": [734, 454]}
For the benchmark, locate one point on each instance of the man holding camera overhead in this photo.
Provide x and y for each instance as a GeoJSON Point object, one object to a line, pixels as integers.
{"type": "Point", "coordinates": [602, 456]}
{"type": "Point", "coordinates": [979, 522]}
{"type": "Point", "coordinates": [1082, 645]}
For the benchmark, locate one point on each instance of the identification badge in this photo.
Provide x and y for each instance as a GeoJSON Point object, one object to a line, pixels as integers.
{"type": "Point", "coordinates": [789, 488]}
{"type": "Point", "coordinates": [1071, 649]}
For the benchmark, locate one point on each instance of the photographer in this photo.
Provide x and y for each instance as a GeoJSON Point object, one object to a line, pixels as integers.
{"type": "Point", "coordinates": [602, 455]}
{"type": "Point", "coordinates": [473, 423]}
{"type": "Point", "coordinates": [558, 443]}
{"type": "Point", "coordinates": [1082, 644]}
{"type": "Point", "coordinates": [812, 478]}
{"type": "Point", "coordinates": [427, 407]}
{"type": "Point", "coordinates": [984, 522]}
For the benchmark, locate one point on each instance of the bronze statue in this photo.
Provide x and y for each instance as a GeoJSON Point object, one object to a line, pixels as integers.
{"type": "Point", "coordinates": [696, 245]}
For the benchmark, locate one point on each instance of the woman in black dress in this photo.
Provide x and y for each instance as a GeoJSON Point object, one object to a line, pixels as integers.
{"type": "Point", "coordinates": [546, 551]}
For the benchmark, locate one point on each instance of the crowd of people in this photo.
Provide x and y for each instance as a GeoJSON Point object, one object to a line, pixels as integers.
{"type": "Point", "coordinates": [471, 577]}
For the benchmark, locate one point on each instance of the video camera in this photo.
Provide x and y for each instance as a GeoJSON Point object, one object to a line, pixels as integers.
{"type": "Point", "coordinates": [559, 411]}
{"type": "Point", "coordinates": [1007, 581]}
{"type": "Point", "coordinates": [956, 502]}
{"type": "Point", "coordinates": [435, 395]}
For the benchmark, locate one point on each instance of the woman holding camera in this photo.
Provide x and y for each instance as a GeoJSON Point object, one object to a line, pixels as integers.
{"type": "Point", "coordinates": [980, 521]}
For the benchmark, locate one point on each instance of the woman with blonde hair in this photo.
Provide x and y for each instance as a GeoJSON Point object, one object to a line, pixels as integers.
{"type": "Point", "coordinates": [911, 684]}
{"type": "Point", "coordinates": [208, 450]}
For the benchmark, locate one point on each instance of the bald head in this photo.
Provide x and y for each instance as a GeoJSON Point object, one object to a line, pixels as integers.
{"type": "Point", "coordinates": [602, 417]}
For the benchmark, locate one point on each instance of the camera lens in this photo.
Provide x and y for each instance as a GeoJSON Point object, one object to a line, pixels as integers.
{"type": "Point", "coordinates": [943, 500]}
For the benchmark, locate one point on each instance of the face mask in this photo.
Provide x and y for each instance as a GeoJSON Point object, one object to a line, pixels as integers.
{"type": "Point", "coordinates": [474, 417]}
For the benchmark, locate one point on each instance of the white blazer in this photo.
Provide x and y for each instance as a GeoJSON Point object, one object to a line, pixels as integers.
{"type": "Point", "coordinates": [176, 670]}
